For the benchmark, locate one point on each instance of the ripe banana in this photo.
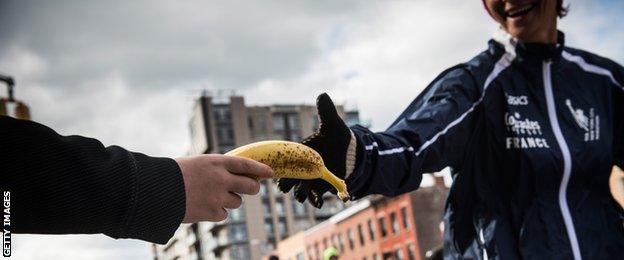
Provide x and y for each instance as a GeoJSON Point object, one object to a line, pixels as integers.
{"type": "Point", "coordinates": [292, 160]}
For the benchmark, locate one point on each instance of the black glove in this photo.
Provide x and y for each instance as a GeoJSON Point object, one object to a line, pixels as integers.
{"type": "Point", "coordinates": [332, 141]}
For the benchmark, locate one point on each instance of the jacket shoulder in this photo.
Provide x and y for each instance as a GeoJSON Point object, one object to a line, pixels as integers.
{"type": "Point", "coordinates": [469, 76]}
{"type": "Point", "coordinates": [586, 59]}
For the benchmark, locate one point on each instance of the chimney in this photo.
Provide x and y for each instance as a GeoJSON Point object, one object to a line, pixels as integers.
{"type": "Point", "coordinates": [439, 181]}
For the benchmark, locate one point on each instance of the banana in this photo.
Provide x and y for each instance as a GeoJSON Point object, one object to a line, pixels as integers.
{"type": "Point", "coordinates": [292, 160]}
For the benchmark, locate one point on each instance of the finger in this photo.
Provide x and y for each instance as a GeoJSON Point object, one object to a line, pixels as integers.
{"type": "Point", "coordinates": [301, 191]}
{"type": "Point", "coordinates": [286, 184]}
{"type": "Point", "coordinates": [315, 199]}
{"type": "Point", "coordinates": [314, 141]}
{"type": "Point", "coordinates": [249, 167]}
{"type": "Point", "coordinates": [327, 110]}
{"type": "Point", "coordinates": [321, 186]}
{"type": "Point", "coordinates": [243, 185]}
{"type": "Point", "coordinates": [232, 201]}
{"type": "Point", "coordinates": [219, 215]}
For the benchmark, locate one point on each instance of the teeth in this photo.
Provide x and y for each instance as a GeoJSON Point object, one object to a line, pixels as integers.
{"type": "Point", "coordinates": [523, 9]}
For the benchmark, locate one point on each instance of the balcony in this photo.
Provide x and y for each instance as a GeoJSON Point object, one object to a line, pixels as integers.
{"type": "Point", "coordinates": [214, 229]}
{"type": "Point", "coordinates": [225, 242]}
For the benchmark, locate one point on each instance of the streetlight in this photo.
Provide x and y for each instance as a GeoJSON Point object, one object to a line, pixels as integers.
{"type": "Point", "coordinates": [10, 106]}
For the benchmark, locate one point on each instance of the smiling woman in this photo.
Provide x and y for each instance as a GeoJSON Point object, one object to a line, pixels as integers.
{"type": "Point", "coordinates": [528, 20]}
{"type": "Point", "coordinates": [531, 129]}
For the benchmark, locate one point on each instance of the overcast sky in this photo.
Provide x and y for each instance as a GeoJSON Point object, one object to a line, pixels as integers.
{"type": "Point", "coordinates": [126, 72]}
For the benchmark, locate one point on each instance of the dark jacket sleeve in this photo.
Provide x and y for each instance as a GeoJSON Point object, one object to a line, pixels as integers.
{"type": "Point", "coordinates": [428, 136]}
{"type": "Point", "coordinates": [618, 114]}
{"type": "Point", "coordinates": [75, 185]}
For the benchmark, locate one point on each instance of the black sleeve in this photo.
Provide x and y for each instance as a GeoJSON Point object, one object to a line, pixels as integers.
{"type": "Point", "coordinates": [429, 135]}
{"type": "Point", "coordinates": [75, 185]}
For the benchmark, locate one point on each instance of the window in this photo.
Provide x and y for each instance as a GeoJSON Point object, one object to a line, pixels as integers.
{"type": "Point", "coordinates": [335, 241]}
{"type": "Point", "coordinates": [295, 137]}
{"type": "Point", "coordinates": [250, 123]}
{"type": "Point", "coordinates": [268, 227]}
{"type": "Point", "coordinates": [351, 238]}
{"type": "Point", "coordinates": [267, 209]}
{"type": "Point", "coordinates": [382, 226]}
{"type": "Point", "coordinates": [299, 256]}
{"type": "Point", "coordinates": [371, 229]}
{"type": "Point", "coordinates": [282, 227]}
{"type": "Point", "coordinates": [375, 256]}
{"type": "Point", "coordinates": [315, 123]}
{"type": "Point", "coordinates": [279, 207]}
{"type": "Point", "coordinates": [299, 208]}
{"type": "Point", "coordinates": [239, 252]}
{"type": "Point", "coordinates": [261, 124]}
{"type": "Point", "coordinates": [237, 214]}
{"type": "Point", "coordinates": [399, 254]}
{"type": "Point", "coordinates": [341, 242]}
{"type": "Point", "coordinates": [238, 233]}
{"type": "Point", "coordinates": [222, 114]}
{"type": "Point", "coordinates": [317, 252]}
{"type": "Point", "coordinates": [411, 249]}
{"type": "Point", "coordinates": [278, 122]}
{"type": "Point", "coordinates": [293, 121]}
{"type": "Point", "coordinates": [394, 223]}
{"type": "Point", "coordinates": [360, 234]}
{"type": "Point", "coordinates": [405, 217]}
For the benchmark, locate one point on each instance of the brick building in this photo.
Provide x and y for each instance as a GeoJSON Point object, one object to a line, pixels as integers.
{"type": "Point", "coordinates": [403, 227]}
{"type": "Point", "coordinates": [220, 123]}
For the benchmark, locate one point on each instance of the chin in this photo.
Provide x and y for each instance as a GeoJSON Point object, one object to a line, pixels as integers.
{"type": "Point", "coordinates": [526, 34]}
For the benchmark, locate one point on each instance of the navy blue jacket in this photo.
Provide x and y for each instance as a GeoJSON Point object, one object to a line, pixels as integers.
{"type": "Point", "coordinates": [531, 132]}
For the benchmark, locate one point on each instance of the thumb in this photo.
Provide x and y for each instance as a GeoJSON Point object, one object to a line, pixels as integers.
{"type": "Point", "coordinates": [327, 112]}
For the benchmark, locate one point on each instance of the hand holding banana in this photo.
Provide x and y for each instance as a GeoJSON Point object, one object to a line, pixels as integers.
{"type": "Point", "coordinates": [292, 160]}
{"type": "Point", "coordinates": [307, 168]}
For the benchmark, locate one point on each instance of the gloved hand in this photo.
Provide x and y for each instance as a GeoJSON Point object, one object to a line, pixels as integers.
{"type": "Point", "coordinates": [335, 143]}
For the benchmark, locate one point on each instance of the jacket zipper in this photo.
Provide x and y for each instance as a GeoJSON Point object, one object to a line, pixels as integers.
{"type": "Point", "coordinates": [484, 253]}
{"type": "Point", "coordinates": [567, 160]}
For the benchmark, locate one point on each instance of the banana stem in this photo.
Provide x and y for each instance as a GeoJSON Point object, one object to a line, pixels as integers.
{"type": "Point", "coordinates": [340, 185]}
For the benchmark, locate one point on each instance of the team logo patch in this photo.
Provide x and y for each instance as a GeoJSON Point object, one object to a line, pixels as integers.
{"type": "Point", "coordinates": [527, 133]}
{"type": "Point", "coordinates": [590, 123]}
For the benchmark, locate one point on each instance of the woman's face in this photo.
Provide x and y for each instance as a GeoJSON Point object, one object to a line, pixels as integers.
{"type": "Point", "coordinates": [527, 20]}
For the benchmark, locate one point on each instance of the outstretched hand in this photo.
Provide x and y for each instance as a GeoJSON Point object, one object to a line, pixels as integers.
{"type": "Point", "coordinates": [331, 141]}
{"type": "Point", "coordinates": [213, 182]}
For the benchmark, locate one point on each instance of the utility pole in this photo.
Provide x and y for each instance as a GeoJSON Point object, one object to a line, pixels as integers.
{"type": "Point", "coordinates": [9, 106]}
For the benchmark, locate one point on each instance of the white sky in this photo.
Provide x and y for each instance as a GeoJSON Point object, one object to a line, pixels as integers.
{"type": "Point", "coordinates": [126, 73]}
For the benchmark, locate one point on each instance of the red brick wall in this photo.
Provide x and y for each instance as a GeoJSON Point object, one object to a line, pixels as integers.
{"type": "Point", "coordinates": [330, 234]}
{"type": "Point", "coordinates": [404, 237]}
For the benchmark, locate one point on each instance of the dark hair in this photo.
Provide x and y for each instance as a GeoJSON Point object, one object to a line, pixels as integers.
{"type": "Point", "coordinates": [562, 10]}
{"type": "Point", "coordinates": [273, 257]}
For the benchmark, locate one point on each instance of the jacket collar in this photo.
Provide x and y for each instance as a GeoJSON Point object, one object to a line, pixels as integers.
{"type": "Point", "coordinates": [530, 52]}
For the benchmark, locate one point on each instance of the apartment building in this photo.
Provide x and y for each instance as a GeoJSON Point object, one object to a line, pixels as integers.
{"type": "Point", "coordinates": [221, 123]}
{"type": "Point", "coordinates": [403, 227]}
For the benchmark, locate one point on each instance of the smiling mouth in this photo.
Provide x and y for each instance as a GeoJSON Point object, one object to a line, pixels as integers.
{"type": "Point", "coordinates": [517, 12]}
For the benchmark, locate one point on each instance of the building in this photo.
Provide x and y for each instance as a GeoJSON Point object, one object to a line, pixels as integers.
{"type": "Point", "coordinates": [221, 123]}
{"type": "Point", "coordinates": [404, 227]}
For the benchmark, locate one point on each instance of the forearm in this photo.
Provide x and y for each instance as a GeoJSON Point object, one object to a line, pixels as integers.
{"type": "Point", "coordinates": [386, 164]}
{"type": "Point", "coordinates": [73, 184]}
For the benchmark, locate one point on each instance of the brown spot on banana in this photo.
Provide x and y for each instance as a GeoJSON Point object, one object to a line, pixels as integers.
{"type": "Point", "coordinates": [292, 160]}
